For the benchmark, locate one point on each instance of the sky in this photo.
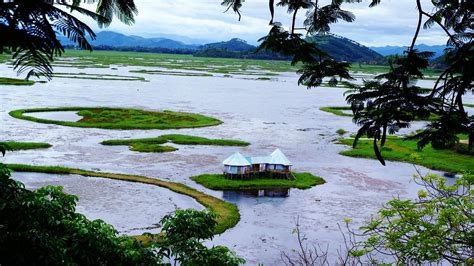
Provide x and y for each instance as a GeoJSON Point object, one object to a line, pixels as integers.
{"type": "Point", "coordinates": [391, 23]}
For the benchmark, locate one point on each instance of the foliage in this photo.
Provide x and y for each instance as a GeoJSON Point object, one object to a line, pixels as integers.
{"type": "Point", "coordinates": [456, 160]}
{"type": "Point", "coordinates": [153, 144]}
{"type": "Point", "coordinates": [393, 101]}
{"type": "Point", "coordinates": [227, 214]}
{"type": "Point", "coordinates": [183, 233]}
{"type": "Point", "coordinates": [219, 182]}
{"type": "Point", "coordinates": [122, 118]}
{"type": "Point", "coordinates": [42, 227]}
{"type": "Point", "coordinates": [436, 227]}
{"type": "Point", "coordinates": [32, 25]}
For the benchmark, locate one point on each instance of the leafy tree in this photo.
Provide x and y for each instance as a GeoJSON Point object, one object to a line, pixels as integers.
{"type": "Point", "coordinates": [31, 27]}
{"type": "Point", "coordinates": [183, 233]}
{"type": "Point", "coordinates": [42, 227]}
{"type": "Point", "coordinates": [437, 226]}
{"type": "Point", "coordinates": [394, 101]}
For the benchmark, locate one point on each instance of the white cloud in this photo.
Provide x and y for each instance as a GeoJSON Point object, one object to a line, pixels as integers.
{"type": "Point", "coordinates": [391, 23]}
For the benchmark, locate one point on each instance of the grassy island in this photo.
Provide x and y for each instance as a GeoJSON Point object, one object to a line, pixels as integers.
{"type": "Point", "coordinates": [17, 146]}
{"type": "Point", "coordinates": [16, 82]}
{"type": "Point", "coordinates": [154, 144]}
{"type": "Point", "coordinates": [398, 149]}
{"type": "Point", "coordinates": [228, 214]}
{"type": "Point", "coordinates": [122, 118]}
{"type": "Point", "coordinates": [219, 182]}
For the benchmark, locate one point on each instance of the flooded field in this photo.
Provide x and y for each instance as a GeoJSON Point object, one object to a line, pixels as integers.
{"type": "Point", "coordinates": [269, 114]}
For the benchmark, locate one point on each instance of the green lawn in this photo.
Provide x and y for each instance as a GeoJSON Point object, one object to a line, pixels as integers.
{"type": "Point", "coordinates": [122, 118]}
{"type": "Point", "coordinates": [469, 105]}
{"type": "Point", "coordinates": [397, 149]}
{"type": "Point", "coordinates": [154, 144]}
{"type": "Point", "coordinates": [17, 82]}
{"type": "Point", "coordinates": [219, 182]}
{"type": "Point", "coordinates": [228, 214]}
{"type": "Point", "coordinates": [17, 146]}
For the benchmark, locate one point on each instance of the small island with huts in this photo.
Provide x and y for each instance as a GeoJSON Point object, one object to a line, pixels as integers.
{"type": "Point", "coordinates": [258, 172]}
{"type": "Point", "coordinates": [276, 165]}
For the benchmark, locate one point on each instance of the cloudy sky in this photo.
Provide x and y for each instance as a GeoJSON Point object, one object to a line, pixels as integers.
{"type": "Point", "coordinates": [391, 23]}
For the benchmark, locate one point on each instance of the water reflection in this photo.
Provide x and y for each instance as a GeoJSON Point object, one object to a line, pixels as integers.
{"type": "Point", "coordinates": [254, 193]}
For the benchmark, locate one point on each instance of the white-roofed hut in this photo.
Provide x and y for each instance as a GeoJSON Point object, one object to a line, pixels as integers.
{"type": "Point", "coordinates": [276, 165]}
{"type": "Point", "coordinates": [279, 164]}
{"type": "Point", "coordinates": [236, 166]}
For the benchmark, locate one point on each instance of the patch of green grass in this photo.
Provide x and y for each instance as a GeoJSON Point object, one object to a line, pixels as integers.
{"type": "Point", "coordinates": [397, 149]}
{"type": "Point", "coordinates": [97, 76]}
{"type": "Point", "coordinates": [154, 144]}
{"type": "Point", "coordinates": [172, 73]}
{"type": "Point", "coordinates": [16, 82]}
{"type": "Point", "coordinates": [337, 110]}
{"type": "Point", "coordinates": [341, 131]}
{"type": "Point", "coordinates": [17, 146]}
{"type": "Point", "coordinates": [219, 182]}
{"type": "Point", "coordinates": [469, 105]}
{"type": "Point", "coordinates": [122, 118]}
{"type": "Point", "coordinates": [228, 214]}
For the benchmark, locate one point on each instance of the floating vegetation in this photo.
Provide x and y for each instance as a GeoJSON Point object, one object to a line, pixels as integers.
{"type": "Point", "coordinates": [337, 110]}
{"type": "Point", "coordinates": [219, 182]}
{"type": "Point", "coordinates": [16, 82]}
{"type": "Point", "coordinates": [18, 146]}
{"type": "Point", "coordinates": [97, 76]}
{"type": "Point", "coordinates": [172, 73]}
{"type": "Point", "coordinates": [154, 144]}
{"type": "Point", "coordinates": [122, 118]}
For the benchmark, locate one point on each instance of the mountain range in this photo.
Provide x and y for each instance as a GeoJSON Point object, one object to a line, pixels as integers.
{"type": "Point", "coordinates": [398, 50]}
{"type": "Point", "coordinates": [339, 47]}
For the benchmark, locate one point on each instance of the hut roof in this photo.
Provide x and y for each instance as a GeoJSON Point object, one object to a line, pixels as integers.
{"type": "Point", "coordinates": [259, 159]}
{"type": "Point", "coordinates": [236, 159]}
{"type": "Point", "coordinates": [277, 157]}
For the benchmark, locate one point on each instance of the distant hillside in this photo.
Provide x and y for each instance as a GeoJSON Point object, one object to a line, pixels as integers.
{"type": "Point", "coordinates": [393, 50]}
{"type": "Point", "coordinates": [114, 39]}
{"type": "Point", "coordinates": [339, 47]}
{"type": "Point", "coordinates": [345, 49]}
{"type": "Point", "coordinates": [234, 44]}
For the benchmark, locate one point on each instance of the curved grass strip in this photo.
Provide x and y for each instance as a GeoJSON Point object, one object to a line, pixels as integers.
{"type": "Point", "coordinates": [17, 146]}
{"type": "Point", "coordinates": [398, 149]}
{"type": "Point", "coordinates": [16, 82]}
{"type": "Point", "coordinates": [228, 213]}
{"type": "Point", "coordinates": [469, 105]}
{"type": "Point", "coordinates": [97, 76]}
{"type": "Point", "coordinates": [171, 73]}
{"type": "Point", "coordinates": [219, 182]}
{"type": "Point", "coordinates": [154, 144]}
{"type": "Point", "coordinates": [337, 110]}
{"type": "Point", "coordinates": [122, 118]}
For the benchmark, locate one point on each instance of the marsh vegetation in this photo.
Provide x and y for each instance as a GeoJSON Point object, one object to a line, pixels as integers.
{"type": "Point", "coordinates": [121, 118]}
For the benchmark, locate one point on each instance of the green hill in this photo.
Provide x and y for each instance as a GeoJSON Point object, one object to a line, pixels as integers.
{"type": "Point", "coordinates": [345, 49]}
